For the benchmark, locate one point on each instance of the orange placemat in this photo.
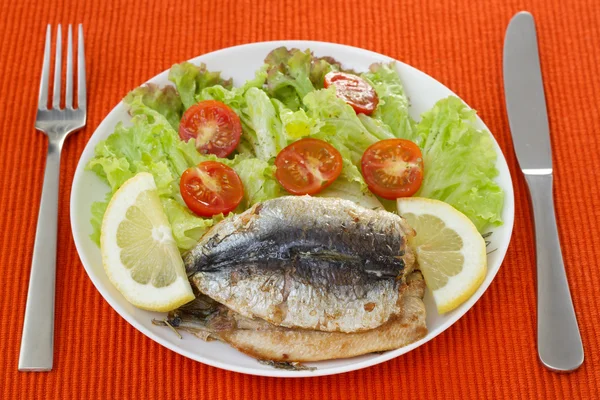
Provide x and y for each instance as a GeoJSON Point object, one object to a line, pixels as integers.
{"type": "Point", "coordinates": [490, 353]}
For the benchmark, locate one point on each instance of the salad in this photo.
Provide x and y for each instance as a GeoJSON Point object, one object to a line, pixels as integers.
{"type": "Point", "coordinates": [302, 125]}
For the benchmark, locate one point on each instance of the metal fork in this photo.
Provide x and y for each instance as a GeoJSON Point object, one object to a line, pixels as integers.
{"type": "Point", "coordinates": [37, 342]}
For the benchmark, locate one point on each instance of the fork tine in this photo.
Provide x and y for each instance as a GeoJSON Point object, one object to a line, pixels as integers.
{"type": "Point", "coordinates": [69, 90]}
{"type": "Point", "coordinates": [45, 79]}
{"type": "Point", "coordinates": [57, 69]}
{"type": "Point", "coordinates": [81, 98]}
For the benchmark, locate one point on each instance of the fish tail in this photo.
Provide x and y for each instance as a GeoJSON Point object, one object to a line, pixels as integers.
{"type": "Point", "coordinates": [202, 317]}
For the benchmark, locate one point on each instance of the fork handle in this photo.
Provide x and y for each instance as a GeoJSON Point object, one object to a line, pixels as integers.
{"type": "Point", "coordinates": [559, 341]}
{"type": "Point", "coordinates": [37, 341]}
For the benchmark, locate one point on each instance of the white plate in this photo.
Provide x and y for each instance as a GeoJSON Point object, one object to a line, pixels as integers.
{"type": "Point", "coordinates": [240, 63]}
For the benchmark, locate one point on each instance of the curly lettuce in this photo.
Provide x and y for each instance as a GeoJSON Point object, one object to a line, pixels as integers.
{"type": "Point", "coordinates": [258, 177]}
{"type": "Point", "coordinates": [338, 119]}
{"type": "Point", "coordinates": [293, 73]}
{"type": "Point", "coordinates": [190, 79]}
{"type": "Point", "coordinates": [288, 75]}
{"type": "Point", "coordinates": [164, 100]}
{"type": "Point", "coordinates": [393, 105]}
{"type": "Point", "coordinates": [460, 162]}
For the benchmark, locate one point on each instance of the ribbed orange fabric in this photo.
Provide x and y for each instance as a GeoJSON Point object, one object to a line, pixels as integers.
{"type": "Point", "coordinates": [490, 353]}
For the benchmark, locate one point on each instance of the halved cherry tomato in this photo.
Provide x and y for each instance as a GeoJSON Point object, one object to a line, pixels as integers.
{"type": "Point", "coordinates": [393, 168]}
{"type": "Point", "coordinates": [308, 166]}
{"type": "Point", "coordinates": [215, 126]}
{"type": "Point", "coordinates": [211, 188]}
{"type": "Point", "coordinates": [354, 90]}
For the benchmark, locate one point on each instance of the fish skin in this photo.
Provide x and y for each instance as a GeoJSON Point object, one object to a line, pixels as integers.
{"type": "Point", "coordinates": [324, 264]}
{"type": "Point", "coordinates": [266, 341]}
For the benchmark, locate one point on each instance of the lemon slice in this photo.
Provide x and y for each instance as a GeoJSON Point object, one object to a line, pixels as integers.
{"type": "Point", "coordinates": [139, 253]}
{"type": "Point", "coordinates": [450, 251]}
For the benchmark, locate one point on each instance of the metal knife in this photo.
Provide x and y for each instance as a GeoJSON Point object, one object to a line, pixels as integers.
{"type": "Point", "coordinates": [558, 338]}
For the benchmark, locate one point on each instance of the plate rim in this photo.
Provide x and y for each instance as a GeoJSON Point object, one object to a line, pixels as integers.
{"type": "Point", "coordinates": [509, 223]}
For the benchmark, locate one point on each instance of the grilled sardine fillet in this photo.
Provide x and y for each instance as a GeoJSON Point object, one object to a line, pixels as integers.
{"type": "Point", "coordinates": [208, 319]}
{"type": "Point", "coordinates": [323, 264]}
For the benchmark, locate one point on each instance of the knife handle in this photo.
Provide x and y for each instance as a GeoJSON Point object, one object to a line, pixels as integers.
{"type": "Point", "coordinates": [559, 341]}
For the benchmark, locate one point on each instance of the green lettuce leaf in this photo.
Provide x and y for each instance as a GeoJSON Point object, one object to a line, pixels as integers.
{"type": "Point", "coordinates": [350, 161]}
{"type": "Point", "coordinates": [289, 69]}
{"type": "Point", "coordinates": [393, 105]}
{"type": "Point", "coordinates": [296, 124]}
{"type": "Point", "coordinates": [114, 170]}
{"type": "Point", "coordinates": [344, 189]}
{"type": "Point", "coordinates": [258, 177]}
{"type": "Point", "coordinates": [321, 66]}
{"type": "Point", "coordinates": [265, 134]}
{"type": "Point", "coordinates": [190, 79]}
{"type": "Point", "coordinates": [376, 127]}
{"type": "Point", "coordinates": [138, 148]}
{"type": "Point", "coordinates": [187, 227]}
{"type": "Point", "coordinates": [459, 162]}
{"type": "Point", "coordinates": [164, 100]}
{"type": "Point", "coordinates": [292, 74]}
{"type": "Point", "coordinates": [245, 147]}
{"type": "Point", "coordinates": [338, 120]}
{"type": "Point", "coordinates": [259, 80]}
{"type": "Point", "coordinates": [193, 157]}
{"type": "Point", "coordinates": [233, 96]}
{"type": "Point", "coordinates": [98, 210]}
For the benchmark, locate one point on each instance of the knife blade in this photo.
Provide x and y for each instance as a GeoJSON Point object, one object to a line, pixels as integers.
{"type": "Point", "coordinates": [525, 99]}
{"type": "Point", "coordinates": [558, 337]}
